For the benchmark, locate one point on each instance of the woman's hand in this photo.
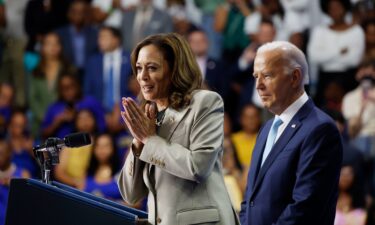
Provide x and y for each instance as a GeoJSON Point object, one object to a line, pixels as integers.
{"type": "Point", "coordinates": [140, 124]}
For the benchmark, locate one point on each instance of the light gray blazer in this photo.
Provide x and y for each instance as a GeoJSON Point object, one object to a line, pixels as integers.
{"type": "Point", "coordinates": [180, 169]}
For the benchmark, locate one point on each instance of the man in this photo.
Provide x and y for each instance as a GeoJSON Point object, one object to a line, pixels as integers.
{"type": "Point", "coordinates": [296, 161]}
{"type": "Point", "coordinates": [108, 73]}
{"type": "Point", "coordinates": [212, 70]}
{"type": "Point", "coordinates": [77, 38]}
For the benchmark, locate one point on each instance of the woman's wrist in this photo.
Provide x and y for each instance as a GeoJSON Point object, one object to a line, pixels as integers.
{"type": "Point", "coordinates": [137, 147]}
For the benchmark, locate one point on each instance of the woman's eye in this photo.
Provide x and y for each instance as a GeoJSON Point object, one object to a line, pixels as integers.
{"type": "Point", "coordinates": [139, 69]}
{"type": "Point", "coordinates": [151, 68]}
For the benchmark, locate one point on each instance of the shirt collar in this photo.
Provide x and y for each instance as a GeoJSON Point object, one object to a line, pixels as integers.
{"type": "Point", "coordinates": [292, 110]}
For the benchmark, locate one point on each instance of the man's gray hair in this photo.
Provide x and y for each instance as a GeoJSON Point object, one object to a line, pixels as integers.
{"type": "Point", "coordinates": [291, 54]}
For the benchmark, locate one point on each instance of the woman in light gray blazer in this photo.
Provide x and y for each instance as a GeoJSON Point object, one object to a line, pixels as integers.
{"type": "Point", "coordinates": [175, 158]}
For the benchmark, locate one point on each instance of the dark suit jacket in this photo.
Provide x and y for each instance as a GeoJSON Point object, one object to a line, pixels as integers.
{"type": "Point", "coordinates": [298, 182]}
{"type": "Point", "coordinates": [216, 76]}
{"type": "Point", "coordinates": [94, 76]}
{"type": "Point", "coordinates": [91, 47]}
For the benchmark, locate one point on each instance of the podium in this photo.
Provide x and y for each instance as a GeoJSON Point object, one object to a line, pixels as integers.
{"type": "Point", "coordinates": [34, 202]}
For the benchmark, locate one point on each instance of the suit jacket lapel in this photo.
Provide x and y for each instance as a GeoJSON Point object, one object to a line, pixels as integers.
{"type": "Point", "coordinates": [257, 154]}
{"type": "Point", "coordinates": [280, 144]}
{"type": "Point", "coordinates": [171, 120]}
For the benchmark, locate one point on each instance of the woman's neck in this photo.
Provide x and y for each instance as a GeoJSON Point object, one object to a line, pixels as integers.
{"type": "Point", "coordinates": [339, 25]}
{"type": "Point", "coordinates": [162, 104]}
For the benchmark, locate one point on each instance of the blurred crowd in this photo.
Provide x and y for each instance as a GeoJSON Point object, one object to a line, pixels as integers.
{"type": "Point", "coordinates": [64, 66]}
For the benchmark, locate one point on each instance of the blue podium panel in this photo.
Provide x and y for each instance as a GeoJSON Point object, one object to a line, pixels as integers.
{"type": "Point", "coordinates": [33, 202]}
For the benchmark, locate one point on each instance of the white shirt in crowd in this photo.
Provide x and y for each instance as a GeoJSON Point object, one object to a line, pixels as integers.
{"type": "Point", "coordinates": [113, 59]}
{"type": "Point", "coordinates": [325, 46]}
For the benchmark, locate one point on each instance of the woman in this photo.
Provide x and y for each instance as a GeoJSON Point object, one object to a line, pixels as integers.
{"type": "Point", "coordinates": [175, 158]}
{"type": "Point", "coordinates": [43, 80]}
{"type": "Point", "coordinates": [74, 162]}
{"type": "Point", "coordinates": [59, 118]}
{"type": "Point", "coordinates": [103, 165]}
{"type": "Point", "coordinates": [336, 49]}
{"type": "Point", "coordinates": [350, 209]}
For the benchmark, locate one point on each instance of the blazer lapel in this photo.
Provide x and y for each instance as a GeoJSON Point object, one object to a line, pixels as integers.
{"type": "Point", "coordinates": [280, 144]}
{"type": "Point", "coordinates": [171, 120]}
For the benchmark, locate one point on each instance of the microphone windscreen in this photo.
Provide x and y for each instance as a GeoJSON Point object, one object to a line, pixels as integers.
{"type": "Point", "coordinates": [77, 140]}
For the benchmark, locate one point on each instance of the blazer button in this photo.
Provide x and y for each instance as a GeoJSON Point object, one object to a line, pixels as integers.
{"type": "Point", "coordinates": [252, 204]}
{"type": "Point", "coordinates": [158, 220]}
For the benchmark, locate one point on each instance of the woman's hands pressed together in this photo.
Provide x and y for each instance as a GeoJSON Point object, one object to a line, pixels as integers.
{"type": "Point", "coordinates": [140, 124]}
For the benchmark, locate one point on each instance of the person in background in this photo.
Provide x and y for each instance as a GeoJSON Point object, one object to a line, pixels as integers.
{"type": "Point", "coordinates": [296, 161]}
{"type": "Point", "coordinates": [60, 116]}
{"type": "Point", "coordinates": [6, 105]}
{"type": "Point", "coordinates": [336, 49]}
{"type": "Point", "coordinates": [175, 158]}
{"type": "Point", "coordinates": [72, 169]}
{"type": "Point", "coordinates": [43, 80]}
{"type": "Point", "coordinates": [21, 143]}
{"type": "Point", "coordinates": [213, 71]}
{"type": "Point", "coordinates": [350, 208]}
{"type": "Point", "coordinates": [107, 75]}
{"type": "Point", "coordinates": [244, 140]}
{"type": "Point", "coordinates": [229, 20]}
{"type": "Point", "coordinates": [232, 168]}
{"type": "Point", "coordinates": [78, 38]}
{"type": "Point", "coordinates": [358, 109]}
{"type": "Point", "coordinates": [8, 170]}
{"type": "Point", "coordinates": [369, 28]}
{"type": "Point", "coordinates": [103, 166]}
{"type": "Point", "coordinates": [12, 68]}
{"type": "Point", "coordinates": [143, 20]}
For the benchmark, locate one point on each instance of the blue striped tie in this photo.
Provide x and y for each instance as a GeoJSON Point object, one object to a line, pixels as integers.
{"type": "Point", "coordinates": [271, 138]}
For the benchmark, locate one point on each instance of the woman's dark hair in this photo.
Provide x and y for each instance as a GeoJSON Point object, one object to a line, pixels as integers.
{"type": "Point", "coordinates": [113, 159]}
{"type": "Point", "coordinates": [345, 3]}
{"type": "Point", "coordinates": [95, 131]}
{"type": "Point", "coordinates": [185, 75]}
{"type": "Point", "coordinates": [356, 190]}
{"type": "Point", "coordinates": [65, 65]}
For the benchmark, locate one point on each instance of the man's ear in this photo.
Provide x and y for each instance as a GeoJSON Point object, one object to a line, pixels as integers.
{"type": "Point", "coordinates": [297, 77]}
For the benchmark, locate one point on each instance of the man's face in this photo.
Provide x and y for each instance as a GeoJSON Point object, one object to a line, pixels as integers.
{"type": "Point", "coordinates": [198, 43]}
{"type": "Point", "coordinates": [107, 41]}
{"type": "Point", "coordinates": [274, 85]}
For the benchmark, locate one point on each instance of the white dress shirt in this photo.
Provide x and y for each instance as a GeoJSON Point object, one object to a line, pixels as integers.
{"type": "Point", "coordinates": [113, 59]}
{"type": "Point", "coordinates": [290, 112]}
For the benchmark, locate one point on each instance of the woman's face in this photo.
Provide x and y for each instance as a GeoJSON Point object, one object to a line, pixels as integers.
{"type": "Point", "coordinates": [336, 10]}
{"type": "Point", "coordinates": [17, 124]}
{"type": "Point", "coordinates": [85, 121]}
{"type": "Point", "coordinates": [69, 89]}
{"type": "Point", "coordinates": [51, 47]}
{"type": "Point", "coordinates": [153, 73]}
{"type": "Point", "coordinates": [104, 148]}
{"type": "Point", "coordinates": [346, 178]}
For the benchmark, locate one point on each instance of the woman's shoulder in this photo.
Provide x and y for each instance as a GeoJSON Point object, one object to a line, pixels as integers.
{"type": "Point", "coordinates": [205, 98]}
{"type": "Point", "coordinates": [205, 95]}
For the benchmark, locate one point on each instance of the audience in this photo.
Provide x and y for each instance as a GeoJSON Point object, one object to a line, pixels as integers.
{"type": "Point", "coordinates": [103, 166]}
{"type": "Point", "coordinates": [43, 80]}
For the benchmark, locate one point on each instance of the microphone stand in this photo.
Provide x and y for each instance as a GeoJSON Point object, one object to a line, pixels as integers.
{"type": "Point", "coordinates": [47, 156]}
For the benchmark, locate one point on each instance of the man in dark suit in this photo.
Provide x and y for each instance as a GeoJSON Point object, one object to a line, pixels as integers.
{"type": "Point", "coordinates": [108, 74]}
{"type": "Point", "coordinates": [213, 71]}
{"type": "Point", "coordinates": [295, 167]}
{"type": "Point", "coordinates": [79, 40]}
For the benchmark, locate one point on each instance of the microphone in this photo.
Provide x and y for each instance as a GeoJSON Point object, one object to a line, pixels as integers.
{"type": "Point", "coordinates": [72, 140]}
